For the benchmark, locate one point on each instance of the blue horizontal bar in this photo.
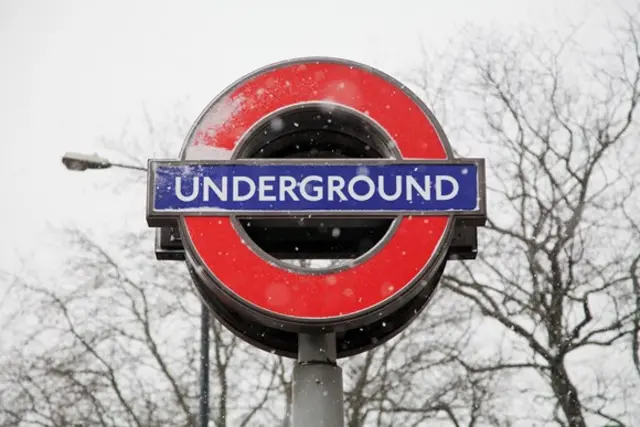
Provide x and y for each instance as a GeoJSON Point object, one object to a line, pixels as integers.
{"type": "Point", "coordinates": [290, 188]}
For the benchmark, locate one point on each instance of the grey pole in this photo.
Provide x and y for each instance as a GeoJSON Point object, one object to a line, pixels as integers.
{"type": "Point", "coordinates": [317, 383]}
{"type": "Point", "coordinates": [204, 367]}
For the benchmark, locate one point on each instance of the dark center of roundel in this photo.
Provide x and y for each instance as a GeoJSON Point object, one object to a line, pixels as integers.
{"type": "Point", "coordinates": [318, 131]}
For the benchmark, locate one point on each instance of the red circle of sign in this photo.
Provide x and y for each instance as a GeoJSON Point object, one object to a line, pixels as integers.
{"type": "Point", "coordinates": [336, 294]}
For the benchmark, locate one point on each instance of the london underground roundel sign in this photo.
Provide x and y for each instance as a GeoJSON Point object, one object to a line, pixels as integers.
{"type": "Point", "coordinates": [241, 160]}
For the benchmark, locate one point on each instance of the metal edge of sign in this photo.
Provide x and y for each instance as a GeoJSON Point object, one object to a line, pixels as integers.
{"type": "Point", "coordinates": [481, 219]}
{"type": "Point", "coordinates": [166, 218]}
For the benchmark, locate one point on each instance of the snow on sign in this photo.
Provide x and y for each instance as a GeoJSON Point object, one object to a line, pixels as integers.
{"type": "Point", "coordinates": [315, 139]}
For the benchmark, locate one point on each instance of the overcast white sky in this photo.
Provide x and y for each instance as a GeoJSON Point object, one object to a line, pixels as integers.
{"type": "Point", "coordinates": [72, 72]}
{"type": "Point", "coordinates": [75, 71]}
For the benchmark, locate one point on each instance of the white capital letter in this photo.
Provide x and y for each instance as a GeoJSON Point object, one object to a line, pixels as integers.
{"type": "Point", "coordinates": [318, 189]}
{"type": "Point", "coordinates": [208, 185]}
{"type": "Point", "coordinates": [412, 184]}
{"type": "Point", "coordinates": [368, 194]}
{"type": "Point", "coordinates": [454, 184]}
{"type": "Point", "coordinates": [393, 196]}
{"type": "Point", "coordinates": [194, 190]}
{"type": "Point", "coordinates": [336, 184]}
{"type": "Point", "coordinates": [263, 187]}
{"type": "Point", "coordinates": [236, 188]}
{"type": "Point", "coordinates": [287, 185]}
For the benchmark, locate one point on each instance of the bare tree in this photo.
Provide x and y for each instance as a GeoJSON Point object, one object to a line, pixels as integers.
{"type": "Point", "coordinates": [114, 341]}
{"type": "Point", "coordinates": [559, 261]}
{"type": "Point", "coordinates": [630, 208]}
{"type": "Point", "coordinates": [116, 344]}
{"type": "Point", "coordinates": [416, 379]}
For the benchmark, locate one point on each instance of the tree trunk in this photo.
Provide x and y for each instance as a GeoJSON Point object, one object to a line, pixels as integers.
{"type": "Point", "coordinates": [567, 395]}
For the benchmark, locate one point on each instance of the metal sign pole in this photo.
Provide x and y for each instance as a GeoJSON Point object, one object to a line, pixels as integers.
{"type": "Point", "coordinates": [318, 399]}
{"type": "Point", "coordinates": [204, 366]}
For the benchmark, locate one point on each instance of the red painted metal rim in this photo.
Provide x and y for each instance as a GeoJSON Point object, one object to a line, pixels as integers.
{"type": "Point", "coordinates": [298, 295]}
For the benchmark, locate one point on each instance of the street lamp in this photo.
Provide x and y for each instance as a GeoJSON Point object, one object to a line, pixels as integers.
{"type": "Point", "coordinates": [81, 162]}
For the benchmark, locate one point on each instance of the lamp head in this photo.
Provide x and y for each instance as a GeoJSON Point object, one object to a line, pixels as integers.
{"type": "Point", "coordinates": [82, 162]}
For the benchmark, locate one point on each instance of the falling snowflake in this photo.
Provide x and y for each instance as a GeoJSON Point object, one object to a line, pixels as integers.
{"type": "Point", "coordinates": [277, 124]}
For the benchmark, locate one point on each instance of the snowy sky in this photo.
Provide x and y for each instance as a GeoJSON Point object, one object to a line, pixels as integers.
{"type": "Point", "coordinates": [73, 72]}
